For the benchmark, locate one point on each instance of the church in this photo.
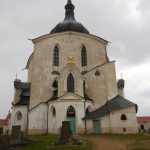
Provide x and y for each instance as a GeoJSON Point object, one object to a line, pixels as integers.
{"type": "Point", "coordinates": [71, 78]}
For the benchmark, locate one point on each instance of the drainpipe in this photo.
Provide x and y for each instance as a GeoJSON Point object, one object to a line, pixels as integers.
{"type": "Point", "coordinates": [47, 116]}
{"type": "Point", "coordinates": [85, 123]}
{"type": "Point", "coordinates": [27, 127]}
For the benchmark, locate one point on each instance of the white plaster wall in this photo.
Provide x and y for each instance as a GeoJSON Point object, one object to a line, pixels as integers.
{"type": "Point", "coordinates": [23, 121]}
{"type": "Point", "coordinates": [69, 44]}
{"type": "Point", "coordinates": [113, 124]}
{"type": "Point", "coordinates": [146, 126]}
{"type": "Point", "coordinates": [38, 119]}
{"type": "Point", "coordinates": [105, 84]}
{"type": "Point", "coordinates": [130, 124]}
{"type": "Point", "coordinates": [78, 80]}
{"type": "Point", "coordinates": [61, 107]}
{"type": "Point", "coordinates": [105, 124]}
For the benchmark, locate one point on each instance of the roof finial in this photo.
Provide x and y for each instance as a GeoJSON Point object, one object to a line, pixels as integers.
{"type": "Point", "coordinates": [69, 2]}
{"type": "Point", "coordinates": [69, 11]}
{"type": "Point", "coordinates": [16, 76]}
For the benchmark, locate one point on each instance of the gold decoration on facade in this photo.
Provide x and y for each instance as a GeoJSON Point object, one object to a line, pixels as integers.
{"type": "Point", "coordinates": [70, 58]}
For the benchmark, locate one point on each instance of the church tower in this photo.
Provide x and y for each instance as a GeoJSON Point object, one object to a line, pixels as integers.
{"type": "Point", "coordinates": [70, 77]}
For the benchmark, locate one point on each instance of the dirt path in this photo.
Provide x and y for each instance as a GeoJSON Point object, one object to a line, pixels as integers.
{"type": "Point", "coordinates": [105, 143]}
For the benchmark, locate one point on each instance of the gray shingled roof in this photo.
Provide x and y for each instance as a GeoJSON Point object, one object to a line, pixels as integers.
{"type": "Point", "coordinates": [25, 92]}
{"type": "Point", "coordinates": [69, 23]}
{"type": "Point", "coordinates": [116, 103]}
{"type": "Point", "coordinates": [22, 85]}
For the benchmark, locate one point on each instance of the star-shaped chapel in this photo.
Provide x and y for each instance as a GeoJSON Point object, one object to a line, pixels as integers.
{"type": "Point", "coordinates": [71, 78]}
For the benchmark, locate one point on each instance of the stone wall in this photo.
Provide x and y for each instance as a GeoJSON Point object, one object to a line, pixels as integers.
{"type": "Point", "coordinates": [105, 84]}
{"type": "Point", "coordinates": [37, 118]}
{"type": "Point", "coordinates": [69, 44]}
{"type": "Point", "coordinates": [61, 107]}
{"type": "Point", "coordinates": [129, 125]}
{"type": "Point", "coordinates": [23, 121]}
{"type": "Point", "coordinates": [113, 124]}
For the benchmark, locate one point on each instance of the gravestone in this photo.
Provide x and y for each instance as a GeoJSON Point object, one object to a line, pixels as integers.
{"type": "Point", "coordinates": [15, 133]}
{"type": "Point", "coordinates": [4, 142]}
{"type": "Point", "coordinates": [64, 133]}
{"type": "Point", "coordinates": [1, 130]}
{"type": "Point", "coordinates": [16, 137]}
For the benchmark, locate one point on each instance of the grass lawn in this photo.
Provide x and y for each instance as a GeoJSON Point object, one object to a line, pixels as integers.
{"type": "Point", "coordinates": [46, 142]}
{"type": "Point", "coordinates": [93, 142]}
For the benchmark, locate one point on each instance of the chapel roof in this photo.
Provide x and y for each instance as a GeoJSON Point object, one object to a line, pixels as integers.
{"type": "Point", "coordinates": [116, 103]}
{"type": "Point", "coordinates": [3, 122]}
{"type": "Point", "coordinates": [21, 85]}
{"type": "Point", "coordinates": [25, 92]}
{"type": "Point", "coordinates": [69, 23]}
{"type": "Point", "coordinates": [142, 119]}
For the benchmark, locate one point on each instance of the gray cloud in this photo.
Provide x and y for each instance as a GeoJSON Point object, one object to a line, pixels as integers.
{"type": "Point", "coordinates": [124, 23]}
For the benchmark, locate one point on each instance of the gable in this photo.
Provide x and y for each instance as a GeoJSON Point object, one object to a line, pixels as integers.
{"type": "Point", "coordinates": [71, 96]}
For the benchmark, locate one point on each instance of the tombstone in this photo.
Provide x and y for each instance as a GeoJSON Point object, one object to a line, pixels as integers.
{"type": "Point", "coordinates": [4, 142]}
{"type": "Point", "coordinates": [1, 130]}
{"type": "Point", "coordinates": [64, 133]}
{"type": "Point", "coordinates": [16, 135]}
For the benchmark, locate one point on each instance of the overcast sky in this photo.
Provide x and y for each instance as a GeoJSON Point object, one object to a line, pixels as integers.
{"type": "Point", "coordinates": [125, 23]}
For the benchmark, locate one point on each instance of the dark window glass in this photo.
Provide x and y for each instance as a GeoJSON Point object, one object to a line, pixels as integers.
{"type": "Point", "coordinates": [56, 57]}
{"type": "Point", "coordinates": [70, 83]}
{"type": "Point", "coordinates": [87, 111]}
{"type": "Point", "coordinates": [55, 84]}
{"type": "Point", "coordinates": [71, 112]}
{"type": "Point", "coordinates": [124, 130]}
{"type": "Point", "coordinates": [54, 112]}
{"type": "Point", "coordinates": [97, 73]}
{"type": "Point", "coordinates": [142, 127]}
{"type": "Point", "coordinates": [19, 116]}
{"type": "Point", "coordinates": [1, 130]}
{"type": "Point", "coordinates": [84, 57]}
{"type": "Point", "coordinates": [83, 86]}
{"type": "Point", "coordinates": [123, 117]}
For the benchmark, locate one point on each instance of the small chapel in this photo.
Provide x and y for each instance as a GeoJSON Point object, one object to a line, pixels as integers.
{"type": "Point", "coordinates": [71, 78]}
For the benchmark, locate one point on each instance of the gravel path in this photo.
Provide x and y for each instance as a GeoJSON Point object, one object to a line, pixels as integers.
{"type": "Point", "coordinates": [105, 143]}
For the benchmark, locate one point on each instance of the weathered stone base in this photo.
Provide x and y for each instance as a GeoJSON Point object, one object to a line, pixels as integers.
{"type": "Point", "coordinates": [37, 131]}
{"type": "Point", "coordinates": [124, 130]}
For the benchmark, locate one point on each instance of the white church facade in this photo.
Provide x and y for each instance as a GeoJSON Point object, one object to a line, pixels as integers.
{"type": "Point", "coordinates": [70, 77]}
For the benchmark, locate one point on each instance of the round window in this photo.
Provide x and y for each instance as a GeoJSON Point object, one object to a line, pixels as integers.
{"type": "Point", "coordinates": [97, 73]}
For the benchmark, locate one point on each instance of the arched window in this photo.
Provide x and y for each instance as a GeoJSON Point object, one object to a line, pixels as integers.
{"type": "Point", "coordinates": [84, 57]}
{"type": "Point", "coordinates": [70, 83]}
{"type": "Point", "coordinates": [87, 111]}
{"type": "Point", "coordinates": [142, 127]}
{"type": "Point", "coordinates": [123, 117]}
{"type": "Point", "coordinates": [97, 73]}
{"type": "Point", "coordinates": [83, 86]}
{"type": "Point", "coordinates": [54, 112]}
{"type": "Point", "coordinates": [71, 112]}
{"type": "Point", "coordinates": [55, 89]}
{"type": "Point", "coordinates": [56, 56]}
{"type": "Point", "coordinates": [19, 116]}
{"type": "Point", "coordinates": [55, 84]}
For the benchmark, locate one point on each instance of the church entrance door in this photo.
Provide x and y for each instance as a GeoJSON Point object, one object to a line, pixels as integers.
{"type": "Point", "coordinates": [71, 117]}
{"type": "Point", "coordinates": [96, 126]}
{"type": "Point", "coordinates": [72, 124]}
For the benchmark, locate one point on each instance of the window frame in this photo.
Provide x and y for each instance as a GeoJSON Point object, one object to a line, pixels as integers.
{"type": "Point", "coordinates": [70, 83]}
{"type": "Point", "coordinates": [83, 57]}
{"type": "Point", "coordinates": [56, 56]}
